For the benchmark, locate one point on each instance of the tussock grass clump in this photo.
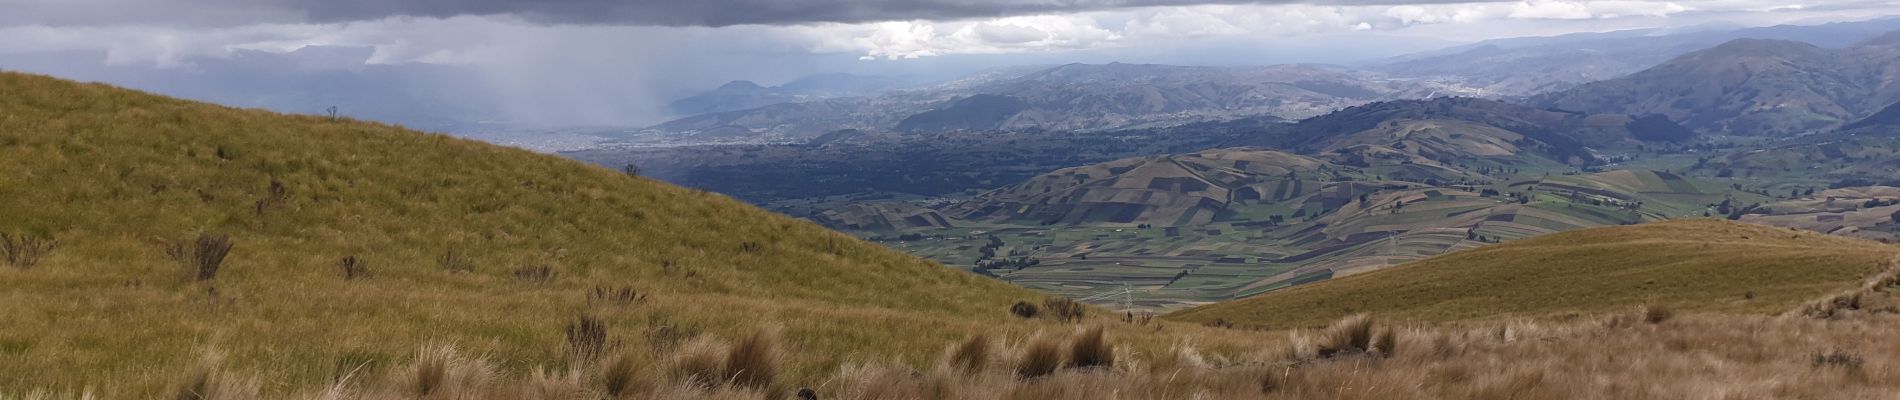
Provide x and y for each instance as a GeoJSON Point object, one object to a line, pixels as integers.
{"type": "Point", "coordinates": [972, 356]}
{"type": "Point", "coordinates": [203, 257]}
{"type": "Point", "coordinates": [753, 362]}
{"type": "Point", "coordinates": [553, 385]}
{"type": "Point", "coordinates": [208, 380]}
{"type": "Point", "coordinates": [1040, 357]}
{"type": "Point", "coordinates": [1091, 349]}
{"type": "Point", "coordinates": [1064, 309]}
{"type": "Point", "coordinates": [587, 339]}
{"type": "Point", "coordinates": [620, 377]}
{"type": "Point", "coordinates": [25, 250]}
{"type": "Point", "coordinates": [442, 372]}
{"type": "Point", "coordinates": [534, 274]}
{"type": "Point", "coordinates": [700, 362]}
{"type": "Point", "coordinates": [621, 296]}
{"type": "Point", "coordinates": [1349, 335]}
{"type": "Point", "coordinates": [353, 268]}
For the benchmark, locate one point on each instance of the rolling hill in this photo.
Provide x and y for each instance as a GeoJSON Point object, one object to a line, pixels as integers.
{"type": "Point", "coordinates": [1702, 265]}
{"type": "Point", "coordinates": [489, 248]}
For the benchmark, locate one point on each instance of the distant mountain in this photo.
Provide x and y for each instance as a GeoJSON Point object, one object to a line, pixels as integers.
{"type": "Point", "coordinates": [741, 95]}
{"type": "Point", "coordinates": [1073, 97]}
{"type": "Point", "coordinates": [1527, 66]}
{"type": "Point", "coordinates": [1754, 87]}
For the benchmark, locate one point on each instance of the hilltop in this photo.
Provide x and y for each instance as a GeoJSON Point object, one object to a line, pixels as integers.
{"type": "Point", "coordinates": [491, 249]}
{"type": "Point", "coordinates": [1702, 265]}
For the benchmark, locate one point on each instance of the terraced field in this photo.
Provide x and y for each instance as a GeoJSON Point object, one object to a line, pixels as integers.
{"type": "Point", "coordinates": [1330, 229]}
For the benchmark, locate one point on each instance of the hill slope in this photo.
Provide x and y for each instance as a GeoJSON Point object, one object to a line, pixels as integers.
{"type": "Point", "coordinates": [116, 175]}
{"type": "Point", "coordinates": [1686, 264]}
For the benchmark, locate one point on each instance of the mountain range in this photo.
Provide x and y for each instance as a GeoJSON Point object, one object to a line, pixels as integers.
{"type": "Point", "coordinates": [1069, 97]}
{"type": "Point", "coordinates": [1516, 67]}
{"type": "Point", "coordinates": [1754, 87]}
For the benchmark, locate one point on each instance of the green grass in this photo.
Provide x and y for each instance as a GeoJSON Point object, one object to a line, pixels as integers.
{"type": "Point", "coordinates": [1697, 265]}
{"type": "Point", "coordinates": [115, 174]}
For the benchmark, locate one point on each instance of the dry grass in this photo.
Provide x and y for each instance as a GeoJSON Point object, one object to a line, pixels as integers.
{"type": "Point", "coordinates": [1686, 356]}
{"type": "Point", "coordinates": [1687, 265]}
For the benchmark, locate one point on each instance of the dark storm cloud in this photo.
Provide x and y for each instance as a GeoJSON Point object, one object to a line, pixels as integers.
{"type": "Point", "coordinates": [609, 12]}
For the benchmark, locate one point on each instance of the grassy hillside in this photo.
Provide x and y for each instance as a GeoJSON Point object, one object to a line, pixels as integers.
{"type": "Point", "coordinates": [1701, 265]}
{"type": "Point", "coordinates": [116, 177]}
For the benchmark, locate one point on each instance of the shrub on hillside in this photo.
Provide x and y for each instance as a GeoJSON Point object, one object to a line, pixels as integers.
{"type": "Point", "coordinates": [1023, 309]}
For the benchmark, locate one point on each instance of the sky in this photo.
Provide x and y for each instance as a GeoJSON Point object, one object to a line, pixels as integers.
{"type": "Point", "coordinates": [602, 62]}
